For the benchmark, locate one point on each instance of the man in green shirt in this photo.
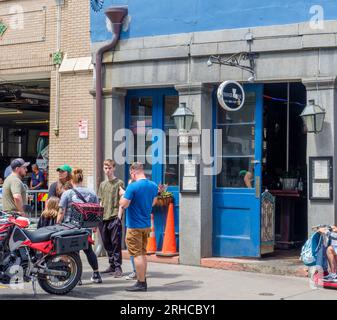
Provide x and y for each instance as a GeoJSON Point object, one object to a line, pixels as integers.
{"type": "Point", "coordinates": [14, 197]}
{"type": "Point", "coordinates": [111, 227]}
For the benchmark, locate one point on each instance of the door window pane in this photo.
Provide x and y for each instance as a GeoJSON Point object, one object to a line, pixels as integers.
{"type": "Point", "coordinates": [245, 115]}
{"type": "Point", "coordinates": [234, 173]}
{"type": "Point", "coordinates": [238, 140]}
{"type": "Point", "coordinates": [140, 124]}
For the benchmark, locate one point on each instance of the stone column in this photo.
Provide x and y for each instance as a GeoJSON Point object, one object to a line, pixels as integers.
{"type": "Point", "coordinates": [113, 120]}
{"type": "Point", "coordinates": [323, 91]}
{"type": "Point", "coordinates": [195, 210]}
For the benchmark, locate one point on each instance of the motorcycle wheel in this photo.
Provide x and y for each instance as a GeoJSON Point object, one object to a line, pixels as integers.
{"type": "Point", "coordinates": [61, 285]}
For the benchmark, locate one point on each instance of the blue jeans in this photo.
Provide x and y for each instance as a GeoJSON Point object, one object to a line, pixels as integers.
{"type": "Point", "coordinates": [322, 259]}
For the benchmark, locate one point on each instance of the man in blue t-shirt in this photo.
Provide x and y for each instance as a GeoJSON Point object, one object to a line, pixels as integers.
{"type": "Point", "coordinates": [37, 182]}
{"type": "Point", "coordinates": [138, 199]}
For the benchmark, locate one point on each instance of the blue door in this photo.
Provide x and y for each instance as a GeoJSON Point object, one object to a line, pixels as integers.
{"type": "Point", "coordinates": [148, 116]}
{"type": "Point", "coordinates": [237, 187]}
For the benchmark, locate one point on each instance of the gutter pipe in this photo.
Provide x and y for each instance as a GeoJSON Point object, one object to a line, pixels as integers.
{"type": "Point", "coordinates": [116, 16]}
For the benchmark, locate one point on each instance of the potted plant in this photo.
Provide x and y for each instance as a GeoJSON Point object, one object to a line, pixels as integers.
{"type": "Point", "coordinates": [164, 197]}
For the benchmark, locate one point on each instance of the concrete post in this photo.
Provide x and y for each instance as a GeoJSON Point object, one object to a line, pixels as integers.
{"type": "Point", "coordinates": [113, 120]}
{"type": "Point", "coordinates": [323, 91]}
{"type": "Point", "coordinates": [195, 221]}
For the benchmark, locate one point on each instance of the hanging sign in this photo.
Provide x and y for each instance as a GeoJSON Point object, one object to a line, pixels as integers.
{"type": "Point", "coordinates": [231, 95]}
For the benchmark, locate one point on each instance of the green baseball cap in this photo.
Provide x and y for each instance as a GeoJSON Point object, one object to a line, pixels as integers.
{"type": "Point", "coordinates": [65, 167]}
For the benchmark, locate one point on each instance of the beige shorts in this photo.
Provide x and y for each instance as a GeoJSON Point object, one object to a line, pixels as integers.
{"type": "Point", "coordinates": [136, 241]}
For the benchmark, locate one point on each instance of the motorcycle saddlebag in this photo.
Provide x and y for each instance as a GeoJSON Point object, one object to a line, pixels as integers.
{"type": "Point", "coordinates": [70, 241]}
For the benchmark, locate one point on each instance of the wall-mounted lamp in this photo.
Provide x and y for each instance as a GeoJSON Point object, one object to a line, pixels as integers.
{"type": "Point", "coordinates": [183, 117]}
{"type": "Point", "coordinates": [313, 116]}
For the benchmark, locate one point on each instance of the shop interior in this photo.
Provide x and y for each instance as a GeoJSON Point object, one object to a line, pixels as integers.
{"type": "Point", "coordinates": [24, 122]}
{"type": "Point", "coordinates": [284, 161]}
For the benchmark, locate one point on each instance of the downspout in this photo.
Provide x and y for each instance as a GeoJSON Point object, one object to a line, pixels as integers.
{"type": "Point", "coordinates": [59, 3]}
{"type": "Point", "coordinates": [116, 16]}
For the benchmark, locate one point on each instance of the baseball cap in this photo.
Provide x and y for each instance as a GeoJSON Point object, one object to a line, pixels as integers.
{"type": "Point", "coordinates": [19, 162]}
{"type": "Point", "coordinates": [64, 167]}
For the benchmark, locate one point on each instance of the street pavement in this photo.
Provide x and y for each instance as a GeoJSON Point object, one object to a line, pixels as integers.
{"type": "Point", "coordinates": [178, 282]}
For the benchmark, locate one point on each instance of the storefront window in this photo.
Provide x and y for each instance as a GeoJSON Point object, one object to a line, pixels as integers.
{"type": "Point", "coordinates": [140, 124]}
{"type": "Point", "coordinates": [171, 167]}
{"type": "Point", "coordinates": [238, 148]}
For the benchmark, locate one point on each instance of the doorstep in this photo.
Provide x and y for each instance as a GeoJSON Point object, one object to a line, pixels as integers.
{"type": "Point", "coordinates": [277, 265]}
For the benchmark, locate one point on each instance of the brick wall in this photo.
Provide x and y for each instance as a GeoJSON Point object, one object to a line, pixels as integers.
{"type": "Point", "coordinates": [27, 50]}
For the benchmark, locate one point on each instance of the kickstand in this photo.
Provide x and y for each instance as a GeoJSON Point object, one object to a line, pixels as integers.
{"type": "Point", "coordinates": [34, 286]}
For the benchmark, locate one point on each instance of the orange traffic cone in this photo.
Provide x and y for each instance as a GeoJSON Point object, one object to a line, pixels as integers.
{"type": "Point", "coordinates": [169, 243]}
{"type": "Point", "coordinates": [151, 241]}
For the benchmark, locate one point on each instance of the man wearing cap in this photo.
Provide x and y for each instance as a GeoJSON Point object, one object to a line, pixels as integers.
{"type": "Point", "coordinates": [14, 196]}
{"type": "Point", "coordinates": [56, 189]}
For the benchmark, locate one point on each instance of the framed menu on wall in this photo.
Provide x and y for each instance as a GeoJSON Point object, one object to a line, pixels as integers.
{"type": "Point", "coordinates": [320, 178]}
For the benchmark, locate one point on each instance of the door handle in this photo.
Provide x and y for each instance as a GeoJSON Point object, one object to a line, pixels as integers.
{"type": "Point", "coordinates": [255, 162]}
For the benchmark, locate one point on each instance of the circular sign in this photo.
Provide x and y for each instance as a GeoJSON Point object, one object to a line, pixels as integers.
{"type": "Point", "coordinates": [231, 95]}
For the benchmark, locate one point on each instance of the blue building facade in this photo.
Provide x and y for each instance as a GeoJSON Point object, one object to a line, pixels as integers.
{"type": "Point", "coordinates": [283, 54]}
{"type": "Point", "coordinates": [153, 18]}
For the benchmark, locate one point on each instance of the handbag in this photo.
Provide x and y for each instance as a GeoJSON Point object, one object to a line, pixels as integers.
{"type": "Point", "coordinates": [86, 214]}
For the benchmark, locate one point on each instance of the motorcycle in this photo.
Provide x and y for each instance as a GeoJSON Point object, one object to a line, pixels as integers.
{"type": "Point", "coordinates": [49, 255]}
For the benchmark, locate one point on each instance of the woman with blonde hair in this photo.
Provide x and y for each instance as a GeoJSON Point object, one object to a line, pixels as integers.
{"type": "Point", "coordinates": [49, 215]}
{"type": "Point", "coordinates": [65, 213]}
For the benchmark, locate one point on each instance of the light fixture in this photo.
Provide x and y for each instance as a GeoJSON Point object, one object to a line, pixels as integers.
{"type": "Point", "coordinates": [42, 121]}
{"type": "Point", "coordinates": [4, 112]}
{"type": "Point", "coordinates": [183, 117]}
{"type": "Point", "coordinates": [313, 116]}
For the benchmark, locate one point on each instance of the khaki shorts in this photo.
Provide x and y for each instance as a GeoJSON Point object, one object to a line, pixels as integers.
{"type": "Point", "coordinates": [136, 241]}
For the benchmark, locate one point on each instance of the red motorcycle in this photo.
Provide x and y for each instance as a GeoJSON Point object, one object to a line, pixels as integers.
{"type": "Point", "coordinates": [49, 255]}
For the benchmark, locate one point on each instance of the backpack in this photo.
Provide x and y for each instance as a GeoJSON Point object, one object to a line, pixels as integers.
{"type": "Point", "coordinates": [310, 249]}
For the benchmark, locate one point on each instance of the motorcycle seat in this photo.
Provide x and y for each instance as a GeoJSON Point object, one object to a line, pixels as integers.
{"type": "Point", "coordinates": [40, 235]}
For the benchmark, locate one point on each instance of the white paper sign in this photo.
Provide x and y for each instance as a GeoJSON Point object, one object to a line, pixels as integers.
{"type": "Point", "coordinates": [83, 129]}
{"type": "Point", "coordinates": [190, 183]}
{"type": "Point", "coordinates": [321, 190]}
{"type": "Point", "coordinates": [321, 169]}
{"type": "Point", "coordinates": [189, 168]}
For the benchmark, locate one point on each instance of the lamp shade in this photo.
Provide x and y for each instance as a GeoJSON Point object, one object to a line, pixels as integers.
{"type": "Point", "coordinates": [183, 117]}
{"type": "Point", "coordinates": [313, 116]}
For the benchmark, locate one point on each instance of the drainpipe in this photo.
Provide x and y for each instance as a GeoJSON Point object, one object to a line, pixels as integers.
{"type": "Point", "coordinates": [116, 16]}
{"type": "Point", "coordinates": [59, 3]}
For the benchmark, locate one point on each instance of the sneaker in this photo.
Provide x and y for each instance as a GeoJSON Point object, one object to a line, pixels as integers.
{"type": "Point", "coordinates": [118, 273]}
{"type": "Point", "coordinates": [109, 270]}
{"type": "Point", "coordinates": [131, 276]}
{"type": "Point", "coordinates": [330, 277]}
{"type": "Point", "coordinates": [139, 286]}
{"type": "Point", "coordinates": [96, 277]}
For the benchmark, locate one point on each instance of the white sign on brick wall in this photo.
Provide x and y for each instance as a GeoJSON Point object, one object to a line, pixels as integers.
{"type": "Point", "coordinates": [83, 129]}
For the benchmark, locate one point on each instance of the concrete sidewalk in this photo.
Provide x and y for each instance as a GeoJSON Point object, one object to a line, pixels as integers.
{"type": "Point", "coordinates": [179, 282]}
{"type": "Point", "coordinates": [282, 262]}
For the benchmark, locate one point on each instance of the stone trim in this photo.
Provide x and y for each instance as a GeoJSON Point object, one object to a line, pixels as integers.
{"type": "Point", "coordinates": [320, 83]}
{"type": "Point", "coordinates": [110, 92]}
{"type": "Point", "coordinates": [194, 89]}
{"type": "Point", "coordinates": [222, 42]}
